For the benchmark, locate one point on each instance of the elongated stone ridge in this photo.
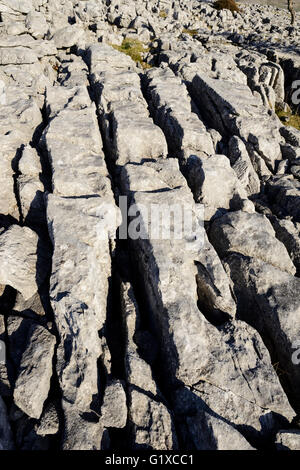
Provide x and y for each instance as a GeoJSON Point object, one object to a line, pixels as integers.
{"type": "Point", "coordinates": [149, 226]}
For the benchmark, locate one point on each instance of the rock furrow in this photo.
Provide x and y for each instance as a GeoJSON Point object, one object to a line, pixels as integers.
{"type": "Point", "coordinates": [149, 226]}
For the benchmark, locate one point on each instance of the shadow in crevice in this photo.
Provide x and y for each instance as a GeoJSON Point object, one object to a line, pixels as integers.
{"type": "Point", "coordinates": [113, 324]}
{"type": "Point", "coordinates": [43, 273]}
{"type": "Point", "coordinates": [205, 301]}
{"type": "Point", "coordinates": [6, 221]}
{"type": "Point", "coordinates": [113, 331]}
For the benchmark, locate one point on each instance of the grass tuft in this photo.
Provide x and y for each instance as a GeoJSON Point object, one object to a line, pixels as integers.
{"type": "Point", "coordinates": [134, 49]}
{"type": "Point", "coordinates": [289, 119]}
{"type": "Point", "coordinates": [226, 5]}
{"type": "Point", "coordinates": [191, 32]}
{"type": "Point", "coordinates": [163, 14]}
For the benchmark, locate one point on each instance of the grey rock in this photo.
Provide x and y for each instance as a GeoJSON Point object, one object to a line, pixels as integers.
{"type": "Point", "coordinates": [103, 56]}
{"type": "Point", "coordinates": [17, 331]}
{"type": "Point", "coordinates": [265, 77]}
{"type": "Point", "coordinates": [33, 382]}
{"type": "Point", "coordinates": [20, 116]}
{"type": "Point", "coordinates": [17, 55]}
{"type": "Point", "coordinates": [290, 152]}
{"type": "Point", "coordinates": [73, 72]}
{"type": "Point", "coordinates": [59, 98]}
{"type": "Point", "coordinates": [225, 402]}
{"type": "Point", "coordinates": [283, 167]}
{"type": "Point", "coordinates": [138, 371]}
{"type": "Point", "coordinates": [214, 325]}
{"type": "Point", "coordinates": [185, 133]}
{"type": "Point", "coordinates": [114, 408]}
{"type": "Point", "coordinates": [15, 28]}
{"type": "Point", "coordinates": [208, 432]}
{"type": "Point", "coordinates": [213, 285]}
{"type": "Point", "coordinates": [123, 110]}
{"type": "Point", "coordinates": [86, 258]}
{"type": "Point", "coordinates": [35, 306]}
{"type": "Point", "coordinates": [31, 199]}
{"type": "Point", "coordinates": [216, 140]}
{"type": "Point", "coordinates": [67, 36]}
{"type": "Point", "coordinates": [30, 163]}
{"type": "Point", "coordinates": [288, 440]}
{"type": "Point", "coordinates": [30, 187]}
{"type": "Point", "coordinates": [191, 353]}
{"type": "Point", "coordinates": [16, 5]}
{"type": "Point", "coordinates": [153, 423]}
{"type": "Point", "coordinates": [291, 135]}
{"type": "Point", "coordinates": [74, 134]}
{"type": "Point", "coordinates": [215, 185]}
{"type": "Point", "coordinates": [21, 260]}
{"type": "Point", "coordinates": [82, 433]}
{"type": "Point", "coordinates": [31, 77]}
{"type": "Point", "coordinates": [150, 421]}
{"type": "Point", "coordinates": [295, 171]}
{"type": "Point", "coordinates": [242, 165]}
{"type": "Point", "coordinates": [36, 24]}
{"type": "Point", "coordinates": [233, 110]}
{"type": "Point", "coordinates": [251, 235]}
{"type": "Point", "coordinates": [49, 422]}
{"type": "Point", "coordinates": [80, 229]}
{"type": "Point", "coordinates": [81, 261]}
{"type": "Point", "coordinates": [149, 141]}
{"type": "Point", "coordinates": [8, 203]}
{"type": "Point", "coordinates": [269, 301]}
{"type": "Point", "coordinates": [288, 233]}
{"type": "Point", "coordinates": [284, 192]}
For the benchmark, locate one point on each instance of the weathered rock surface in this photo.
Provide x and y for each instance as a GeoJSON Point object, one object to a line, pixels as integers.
{"type": "Point", "coordinates": [80, 434]}
{"type": "Point", "coordinates": [233, 110]}
{"type": "Point", "coordinates": [215, 185]}
{"type": "Point", "coordinates": [30, 187]}
{"type": "Point", "coordinates": [175, 326]}
{"type": "Point", "coordinates": [184, 131]}
{"type": "Point", "coordinates": [150, 421]}
{"type": "Point", "coordinates": [22, 263]}
{"type": "Point", "coordinates": [114, 409]}
{"type": "Point", "coordinates": [49, 422]}
{"type": "Point", "coordinates": [80, 228]}
{"type": "Point", "coordinates": [192, 336]}
{"type": "Point", "coordinates": [210, 433]}
{"type": "Point", "coordinates": [288, 440]}
{"type": "Point", "coordinates": [125, 114]}
{"type": "Point", "coordinates": [17, 332]}
{"type": "Point", "coordinates": [239, 232]}
{"type": "Point", "coordinates": [288, 233]}
{"type": "Point", "coordinates": [242, 165]}
{"type": "Point", "coordinates": [283, 192]}
{"type": "Point", "coordinates": [269, 301]}
{"type": "Point", "coordinates": [33, 382]}
{"type": "Point", "coordinates": [20, 116]}
{"type": "Point", "coordinates": [81, 267]}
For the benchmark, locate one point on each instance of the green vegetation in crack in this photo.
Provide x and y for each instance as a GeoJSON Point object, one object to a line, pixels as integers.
{"type": "Point", "coordinates": [191, 32]}
{"type": "Point", "coordinates": [134, 49]}
{"type": "Point", "coordinates": [226, 5]}
{"type": "Point", "coordinates": [163, 14]}
{"type": "Point", "coordinates": [288, 118]}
